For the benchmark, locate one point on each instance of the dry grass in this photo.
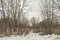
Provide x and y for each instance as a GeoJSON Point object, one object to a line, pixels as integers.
{"type": "Point", "coordinates": [27, 30]}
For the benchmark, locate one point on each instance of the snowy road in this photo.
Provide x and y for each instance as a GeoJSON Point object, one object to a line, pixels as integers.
{"type": "Point", "coordinates": [30, 36]}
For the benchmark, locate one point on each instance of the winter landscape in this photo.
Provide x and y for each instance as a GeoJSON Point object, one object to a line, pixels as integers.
{"type": "Point", "coordinates": [29, 19]}
{"type": "Point", "coordinates": [31, 36]}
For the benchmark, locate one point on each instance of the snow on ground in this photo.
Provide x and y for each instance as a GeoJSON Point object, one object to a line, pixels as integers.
{"type": "Point", "coordinates": [30, 36]}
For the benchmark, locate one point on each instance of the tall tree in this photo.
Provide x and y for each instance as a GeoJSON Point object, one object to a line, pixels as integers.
{"type": "Point", "coordinates": [14, 10]}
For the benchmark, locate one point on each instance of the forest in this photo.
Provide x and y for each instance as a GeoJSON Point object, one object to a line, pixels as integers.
{"type": "Point", "coordinates": [13, 17]}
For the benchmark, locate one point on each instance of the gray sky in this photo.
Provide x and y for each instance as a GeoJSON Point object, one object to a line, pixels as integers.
{"type": "Point", "coordinates": [35, 9]}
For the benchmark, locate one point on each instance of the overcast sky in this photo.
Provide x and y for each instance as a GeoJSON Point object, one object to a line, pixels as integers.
{"type": "Point", "coordinates": [35, 9]}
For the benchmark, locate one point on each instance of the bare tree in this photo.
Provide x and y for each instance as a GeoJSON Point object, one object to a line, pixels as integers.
{"type": "Point", "coordinates": [15, 9]}
{"type": "Point", "coordinates": [49, 12]}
